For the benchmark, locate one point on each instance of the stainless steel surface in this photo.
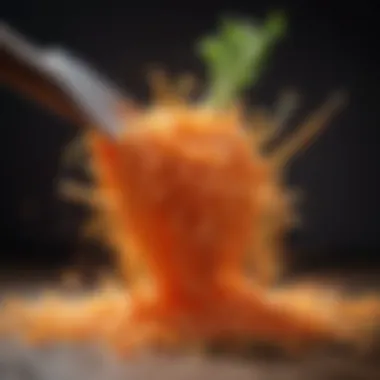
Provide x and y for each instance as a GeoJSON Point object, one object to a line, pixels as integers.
{"type": "Point", "coordinates": [60, 81]}
{"type": "Point", "coordinates": [68, 362]}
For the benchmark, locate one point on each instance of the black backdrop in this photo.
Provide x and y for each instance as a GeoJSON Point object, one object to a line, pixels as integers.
{"type": "Point", "coordinates": [327, 48]}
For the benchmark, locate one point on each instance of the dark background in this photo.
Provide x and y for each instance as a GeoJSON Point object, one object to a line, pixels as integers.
{"type": "Point", "coordinates": [328, 47]}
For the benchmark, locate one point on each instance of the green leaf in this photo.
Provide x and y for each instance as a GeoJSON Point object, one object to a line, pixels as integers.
{"type": "Point", "coordinates": [236, 55]}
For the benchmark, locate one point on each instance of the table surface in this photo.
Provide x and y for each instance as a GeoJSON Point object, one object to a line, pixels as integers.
{"type": "Point", "coordinates": [61, 362]}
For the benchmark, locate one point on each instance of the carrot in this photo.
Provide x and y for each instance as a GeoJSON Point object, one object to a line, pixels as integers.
{"type": "Point", "coordinates": [189, 198]}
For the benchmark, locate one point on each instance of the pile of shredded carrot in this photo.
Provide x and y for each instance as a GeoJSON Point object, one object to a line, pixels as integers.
{"type": "Point", "coordinates": [190, 199]}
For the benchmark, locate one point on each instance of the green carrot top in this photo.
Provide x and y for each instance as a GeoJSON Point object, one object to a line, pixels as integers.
{"type": "Point", "coordinates": [236, 55]}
